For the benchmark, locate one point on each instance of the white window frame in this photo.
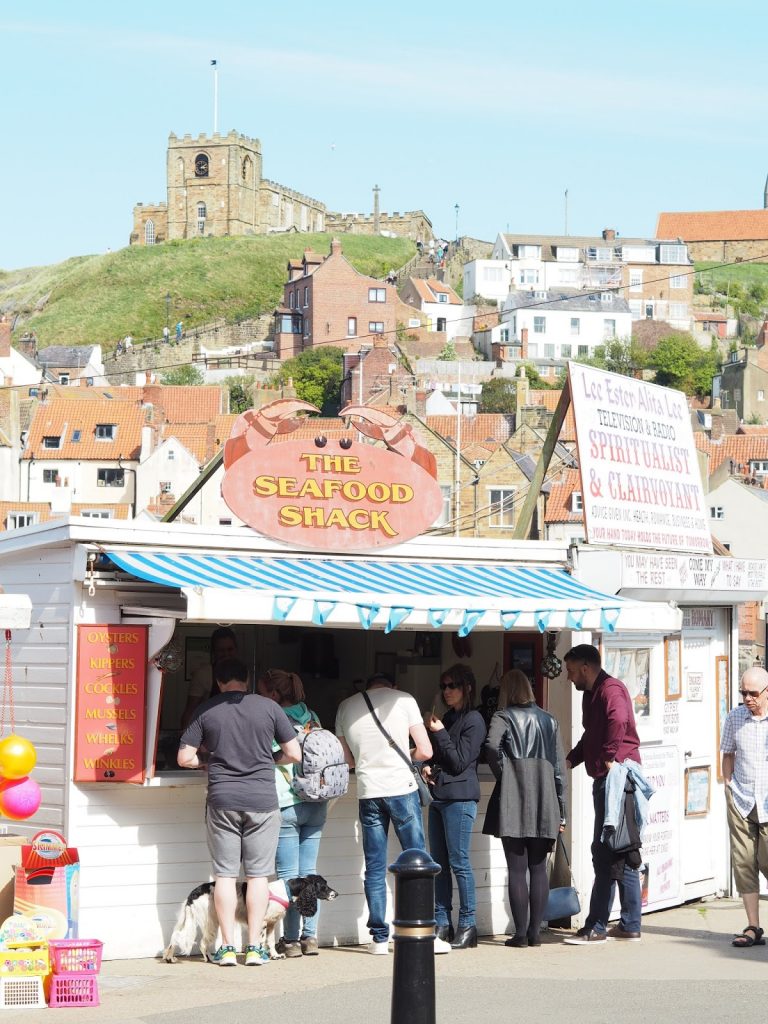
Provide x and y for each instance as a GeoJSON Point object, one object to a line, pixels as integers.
{"type": "Point", "coordinates": [52, 437]}
{"type": "Point", "coordinates": [107, 476]}
{"type": "Point", "coordinates": [446, 490]}
{"type": "Point", "coordinates": [575, 325]}
{"type": "Point", "coordinates": [609, 329]}
{"type": "Point", "coordinates": [375, 326]}
{"type": "Point", "coordinates": [501, 507]}
{"type": "Point", "coordinates": [539, 325]}
{"type": "Point", "coordinates": [577, 501]}
{"type": "Point", "coordinates": [105, 431]}
{"type": "Point", "coordinates": [675, 253]}
{"type": "Point", "coordinates": [377, 294]}
{"type": "Point", "coordinates": [50, 476]}
{"type": "Point", "coordinates": [97, 513]}
{"type": "Point", "coordinates": [442, 297]}
{"type": "Point", "coordinates": [351, 326]}
{"type": "Point", "coordinates": [635, 279]}
{"type": "Point", "coordinates": [678, 281]}
{"type": "Point", "coordinates": [716, 512]}
{"type": "Point", "coordinates": [16, 516]}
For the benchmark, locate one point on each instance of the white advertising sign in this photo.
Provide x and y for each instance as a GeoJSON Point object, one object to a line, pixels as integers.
{"type": "Point", "coordinates": [661, 840]}
{"type": "Point", "coordinates": [640, 479]}
{"type": "Point", "coordinates": [698, 572]}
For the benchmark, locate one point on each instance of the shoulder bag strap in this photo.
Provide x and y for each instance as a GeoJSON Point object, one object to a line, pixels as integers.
{"type": "Point", "coordinates": [384, 732]}
{"type": "Point", "coordinates": [565, 854]}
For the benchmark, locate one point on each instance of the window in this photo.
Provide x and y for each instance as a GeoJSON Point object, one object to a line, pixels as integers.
{"type": "Point", "coordinates": [575, 325]}
{"type": "Point", "coordinates": [445, 511]}
{"type": "Point", "coordinates": [636, 308]}
{"type": "Point", "coordinates": [533, 351]}
{"type": "Point", "coordinates": [717, 512]}
{"type": "Point", "coordinates": [761, 396]}
{"type": "Point", "coordinates": [539, 325]}
{"type": "Point", "coordinates": [171, 454]}
{"type": "Point", "coordinates": [52, 441]}
{"type": "Point", "coordinates": [583, 350]}
{"type": "Point", "coordinates": [375, 327]}
{"type": "Point", "coordinates": [635, 280]}
{"type": "Point", "coordinates": [673, 254]}
{"type": "Point", "coordinates": [492, 274]}
{"type": "Point", "coordinates": [76, 435]}
{"type": "Point", "coordinates": [96, 513]}
{"type": "Point", "coordinates": [504, 335]}
{"type": "Point", "coordinates": [529, 277]}
{"type": "Point", "coordinates": [649, 311]}
{"type": "Point", "coordinates": [201, 212]}
{"type": "Point", "coordinates": [502, 507]}
{"type": "Point", "coordinates": [678, 310]}
{"type": "Point", "coordinates": [441, 323]}
{"type": "Point", "coordinates": [306, 296]}
{"type": "Point", "coordinates": [246, 169]}
{"type": "Point", "coordinates": [549, 351]}
{"type": "Point", "coordinates": [678, 281]}
{"type": "Point", "coordinates": [18, 519]}
{"type": "Point", "coordinates": [165, 486]}
{"type": "Point", "coordinates": [529, 252]}
{"type": "Point", "coordinates": [377, 294]}
{"type": "Point", "coordinates": [758, 467]}
{"type": "Point", "coordinates": [577, 502]}
{"type": "Point", "coordinates": [106, 431]}
{"type": "Point", "coordinates": [609, 329]}
{"type": "Point", "coordinates": [351, 326]}
{"type": "Point", "coordinates": [565, 351]}
{"type": "Point", "coordinates": [567, 254]}
{"type": "Point", "coordinates": [110, 477]}
{"type": "Point", "coordinates": [225, 522]}
{"type": "Point", "coordinates": [291, 300]}
{"type": "Point", "coordinates": [149, 233]}
{"type": "Point", "coordinates": [442, 297]}
{"type": "Point", "coordinates": [63, 378]}
{"type": "Point", "coordinates": [50, 476]}
{"type": "Point", "coordinates": [414, 321]}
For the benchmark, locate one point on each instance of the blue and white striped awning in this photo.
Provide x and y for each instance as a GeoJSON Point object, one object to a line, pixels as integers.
{"type": "Point", "coordinates": [377, 593]}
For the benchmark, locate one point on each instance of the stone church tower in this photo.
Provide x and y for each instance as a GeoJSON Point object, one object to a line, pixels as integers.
{"type": "Point", "coordinates": [215, 188]}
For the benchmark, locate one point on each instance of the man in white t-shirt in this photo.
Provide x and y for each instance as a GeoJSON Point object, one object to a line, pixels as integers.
{"type": "Point", "coordinates": [386, 790]}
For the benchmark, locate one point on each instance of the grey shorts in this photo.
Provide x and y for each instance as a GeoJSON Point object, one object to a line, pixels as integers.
{"type": "Point", "coordinates": [247, 837]}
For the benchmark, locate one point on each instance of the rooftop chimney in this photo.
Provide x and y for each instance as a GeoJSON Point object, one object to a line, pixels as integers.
{"type": "Point", "coordinates": [609, 235]}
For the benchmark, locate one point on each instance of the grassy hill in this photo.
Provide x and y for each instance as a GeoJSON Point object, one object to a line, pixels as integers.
{"type": "Point", "coordinates": [745, 274]}
{"type": "Point", "coordinates": [99, 299]}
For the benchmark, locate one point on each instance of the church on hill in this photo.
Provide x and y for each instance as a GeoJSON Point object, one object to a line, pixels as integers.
{"type": "Point", "coordinates": [215, 187]}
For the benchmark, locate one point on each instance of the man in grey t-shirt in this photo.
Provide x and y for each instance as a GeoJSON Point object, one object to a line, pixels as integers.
{"type": "Point", "coordinates": [242, 814]}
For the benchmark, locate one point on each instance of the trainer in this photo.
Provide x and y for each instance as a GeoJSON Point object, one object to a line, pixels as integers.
{"type": "Point", "coordinates": [242, 814]}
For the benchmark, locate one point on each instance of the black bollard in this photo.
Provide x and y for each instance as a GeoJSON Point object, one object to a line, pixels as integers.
{"type": "Point", "coordinates": [413, 974]}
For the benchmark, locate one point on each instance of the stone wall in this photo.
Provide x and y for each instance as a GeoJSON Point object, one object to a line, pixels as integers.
{"type": "Point", "coordinates": [729, 252]}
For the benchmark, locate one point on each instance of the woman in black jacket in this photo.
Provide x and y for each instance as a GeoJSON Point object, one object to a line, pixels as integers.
{"type": "Point", "coordinates": [456, 741]}
{"type": "Point", "coordinates": [527, 807]}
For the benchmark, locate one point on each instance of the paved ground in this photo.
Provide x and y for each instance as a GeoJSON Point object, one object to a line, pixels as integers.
{"type": "Point", "coordinates": [684, 971]}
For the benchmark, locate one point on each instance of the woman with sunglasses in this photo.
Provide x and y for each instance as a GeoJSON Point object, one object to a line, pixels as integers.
{"type": "Point", "coordinates": [457, 740]}
{"type": "Point", "coordinates": [527, 806]}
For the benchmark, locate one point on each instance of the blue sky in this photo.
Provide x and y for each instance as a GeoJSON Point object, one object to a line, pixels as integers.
{"type": "Point", "coordinates": [499, 107]}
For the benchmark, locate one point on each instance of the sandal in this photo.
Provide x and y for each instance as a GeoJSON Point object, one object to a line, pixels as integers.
{"type": "Point", "coordinates": [745, 940]}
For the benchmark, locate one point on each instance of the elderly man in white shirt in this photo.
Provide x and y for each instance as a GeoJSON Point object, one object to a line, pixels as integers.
{"type": "Point", "coordinates": [744, 745]}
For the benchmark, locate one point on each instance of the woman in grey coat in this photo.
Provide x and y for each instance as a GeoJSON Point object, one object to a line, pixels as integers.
{"type": "Point", "coordinates": [527, 807]}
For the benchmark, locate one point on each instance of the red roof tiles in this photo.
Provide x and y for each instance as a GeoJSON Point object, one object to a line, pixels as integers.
{"type": "Point", "coordinates": [714, 225]}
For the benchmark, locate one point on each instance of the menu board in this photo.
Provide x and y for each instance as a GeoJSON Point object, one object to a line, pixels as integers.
{"type": "Point", "coordinates": [110, 700]}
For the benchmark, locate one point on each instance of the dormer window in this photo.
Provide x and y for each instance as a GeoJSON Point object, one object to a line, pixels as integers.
{"type": "Point", "coordinates": [577, 502]}
{"type": "Point", "coordinates": [106, 431]}
{"type": "Point", "coordinates": [442, 297]}
{"type": "Point", "coordinates": [52, 441]}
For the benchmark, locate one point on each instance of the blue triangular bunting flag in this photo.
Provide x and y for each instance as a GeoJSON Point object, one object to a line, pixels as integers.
{"type": "Point", "coordinates": [508, 619]}
{"type": "Point", "coordinates": [321, 610]}
{"type": "Point", "coordinates": [542, 620]}
{"type": "Point", "coordinates": [575, 619]}
{"type": "Point", "coordinates": [396, 616]}
{"type": "Point", "coordinates": [471, 619]}
{"type": "Point", "coordinates": [281, 608]}
{"type": "Point", "coordinates": [367, 613]}
{"type": "Point", "coordinates": [608, 618]}
{"type": "Point", "coordinates": [437, 616]}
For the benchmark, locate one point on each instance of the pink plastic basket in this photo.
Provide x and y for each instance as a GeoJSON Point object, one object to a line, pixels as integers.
{"type": "Point", "coordinates": [75, 956]}
{"type": "Point", "coordinates": [74, 990]}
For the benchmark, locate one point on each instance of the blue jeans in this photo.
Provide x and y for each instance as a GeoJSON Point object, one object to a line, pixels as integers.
{"type": "Point", "coordinates": [375, 815]}
{"type": "Point", "coordinates": [297, 849]}
{"type": "Point", "coordinates": [604, 887]}
{"type": "Point", "coordinates": [450, 832]}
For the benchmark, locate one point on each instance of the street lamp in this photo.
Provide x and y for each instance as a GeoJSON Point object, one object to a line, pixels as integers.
{"type": "Point", "coordinates": [168, 310]}
{"type": "Point", "coordinates": [456, 208]}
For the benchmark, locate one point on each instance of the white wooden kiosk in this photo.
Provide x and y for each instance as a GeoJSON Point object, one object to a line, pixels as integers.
{"type": "Point", "coordinates": [142, 845]}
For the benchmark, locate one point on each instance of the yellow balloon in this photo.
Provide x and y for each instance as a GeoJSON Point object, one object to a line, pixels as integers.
{"type": "Point", "coordinates": [17, 757]}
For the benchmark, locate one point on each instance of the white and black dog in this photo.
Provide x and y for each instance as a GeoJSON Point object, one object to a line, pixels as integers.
{"type": "Point", "coordinates": [198, 914]}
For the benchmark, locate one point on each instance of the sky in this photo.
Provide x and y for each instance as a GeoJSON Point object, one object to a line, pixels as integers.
{"type": "Point", "coordinates": [497, 109]}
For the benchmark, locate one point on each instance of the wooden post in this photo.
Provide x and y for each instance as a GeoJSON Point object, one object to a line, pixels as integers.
{"type": "Point", "coordinates": [523, 525]}
{"type": "Point", "coordinates": [192, 490]}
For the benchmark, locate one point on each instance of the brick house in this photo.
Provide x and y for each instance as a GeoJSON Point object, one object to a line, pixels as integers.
{"type": "Point", "coordinates": [326, 301]}
{"type": "Point", "coordinates": [719, 235]}
{"type": "Point", "coordinates": [742, 383]}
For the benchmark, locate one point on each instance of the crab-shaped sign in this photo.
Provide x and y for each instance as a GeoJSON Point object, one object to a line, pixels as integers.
{"type": "Point", "coordinates": [336, 495]}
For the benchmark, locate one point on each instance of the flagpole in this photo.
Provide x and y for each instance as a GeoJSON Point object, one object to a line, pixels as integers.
{"type": "Point", "coordinates": [215, 66]}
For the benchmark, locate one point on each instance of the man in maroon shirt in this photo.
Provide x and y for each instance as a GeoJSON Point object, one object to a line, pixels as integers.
{"type": "Point", "coordinates": [610, 734]}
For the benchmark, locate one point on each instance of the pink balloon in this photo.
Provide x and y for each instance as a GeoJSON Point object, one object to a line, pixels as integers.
{"type": "Point", "coordinates": [19, 798]}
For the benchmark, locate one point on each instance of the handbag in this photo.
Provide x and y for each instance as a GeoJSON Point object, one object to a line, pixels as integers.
{"type": "Point", "coordinates": [425, 796]}
{"type": "Point", "coordinates": [563, 900]}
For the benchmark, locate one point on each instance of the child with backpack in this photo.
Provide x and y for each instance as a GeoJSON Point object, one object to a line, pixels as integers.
{"type": "Point", "coordinates": [303, 791]}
